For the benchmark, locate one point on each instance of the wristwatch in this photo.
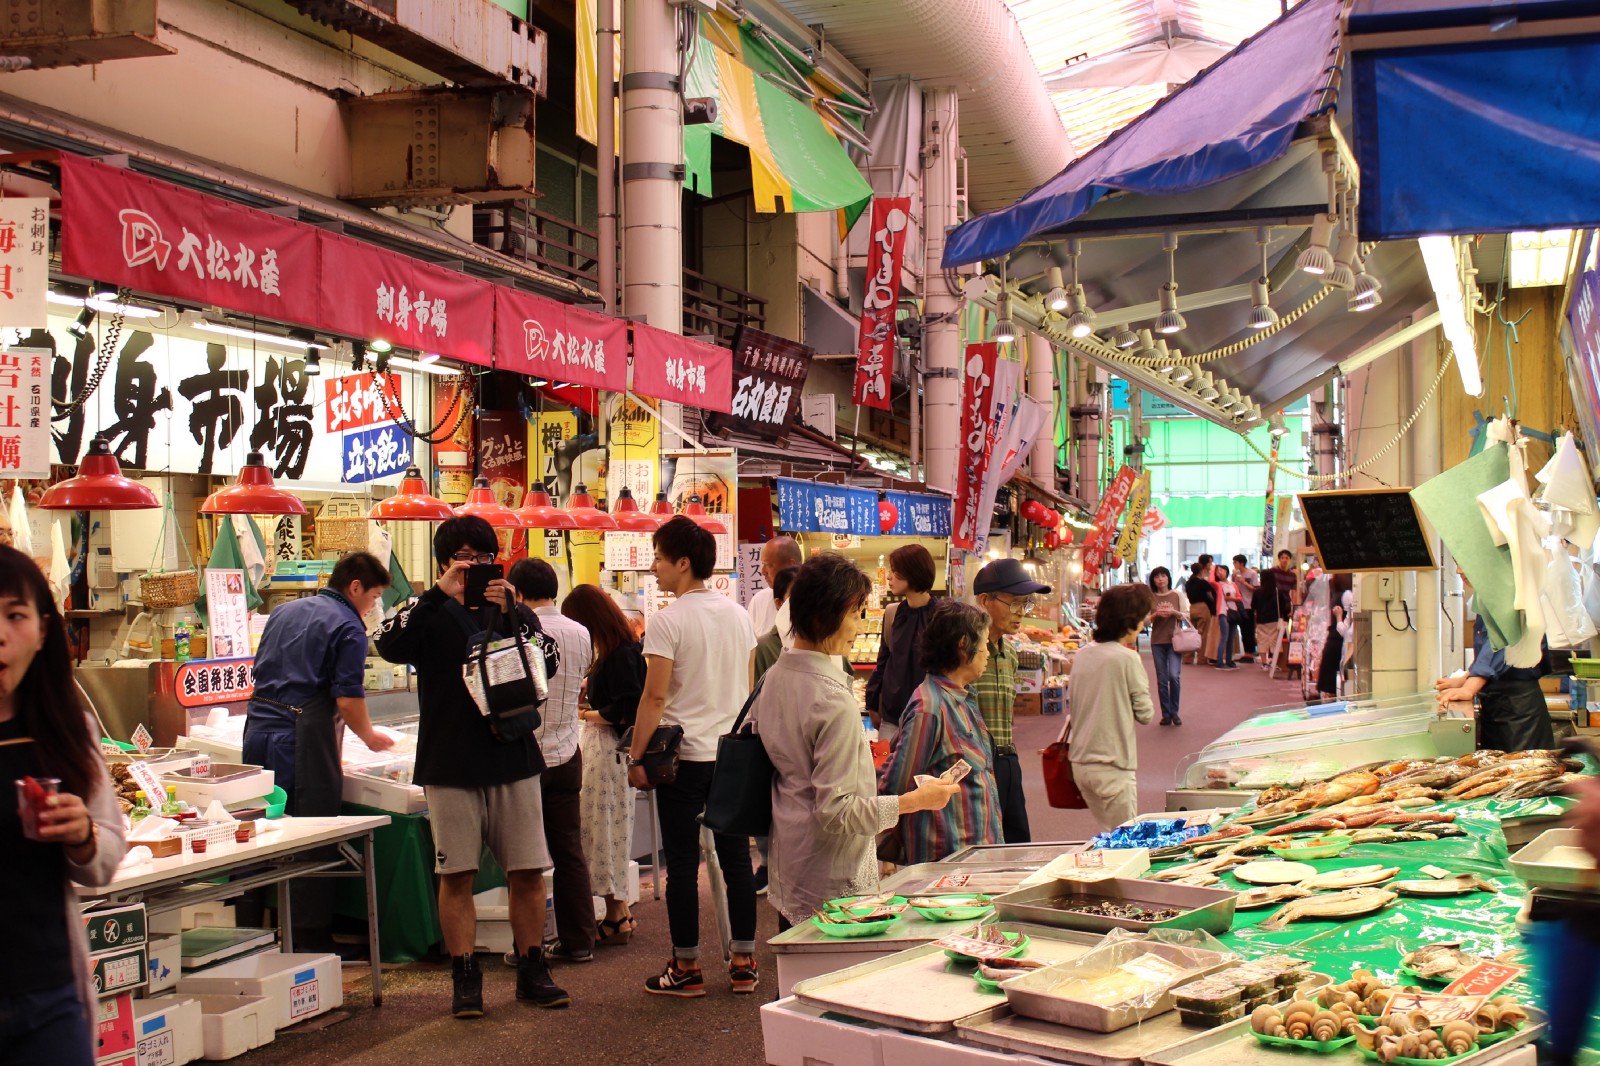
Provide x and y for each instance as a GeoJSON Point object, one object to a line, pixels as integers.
{"type": "Point", "coordinates": [635, 762]}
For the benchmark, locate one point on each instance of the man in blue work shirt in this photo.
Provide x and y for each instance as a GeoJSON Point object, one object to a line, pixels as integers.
{"type": "Point", "coordinates": [310, 678]}
{"type": "Point", "coordinates": [1512, 713]}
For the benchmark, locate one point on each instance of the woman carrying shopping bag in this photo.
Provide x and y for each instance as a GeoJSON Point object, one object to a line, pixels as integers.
{"type": "Point", "coordinates": [1166, 625]}
{"type": "Point", "coordinates": [1202, 608]}
{"type": "Point", "coordinates": [1110, 692]}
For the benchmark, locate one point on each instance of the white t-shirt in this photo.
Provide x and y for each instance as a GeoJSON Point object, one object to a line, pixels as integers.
{"type": "Point", "coordinates": [763, 616]}
{"type": "Point", "coordinates": [558, 728]}
{"type": "Point", "coordinates": [708, 638]}
{"type": "Point", "coordinates": [1240, 578]}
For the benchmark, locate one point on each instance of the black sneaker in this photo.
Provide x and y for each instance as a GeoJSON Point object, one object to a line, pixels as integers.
{"type": "Point", "coordinates": [761, 880]}
{"type": "Point", "coordinates": [560, 953]}
{"type": "Point", "coordinates": [744, 977]}
{"type": "Point", "coordinates": [534, 984]}
{"type": "Point", "coordinates": [466, 999]}
{"type": "Point", "coordinates": [672, 981]}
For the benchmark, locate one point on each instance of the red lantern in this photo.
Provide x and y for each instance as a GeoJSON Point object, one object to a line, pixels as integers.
{"type": "Point", "coordinates": [1033, 511]}
{"type": "Point", "coordinates": [1052, 540]}
{"type": "Point", "coordinates": [1116, 562]}
{"type": "Point", "coordinates": [888, 515]}
{"type": "Point", "coordinates": [1049, 519]}
{"type": "Point", "coordinates": [1066, 534]}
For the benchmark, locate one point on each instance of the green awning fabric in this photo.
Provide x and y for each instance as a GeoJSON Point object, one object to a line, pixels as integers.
{"type": "Point", "coordinates": [1192, 511]}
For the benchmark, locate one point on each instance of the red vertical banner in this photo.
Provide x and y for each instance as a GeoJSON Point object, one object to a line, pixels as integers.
{"type": "Point", "coordinates": [503, 459]}
{"type": "Point", "coordinates": [977, 397]}
{"type": "Point", "coordinates": [875, 344]}
{"type": "Point", "coordinates": [1105, 519]}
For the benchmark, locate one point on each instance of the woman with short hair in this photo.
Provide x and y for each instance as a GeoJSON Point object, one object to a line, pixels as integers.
{"type": "Point", "coordinates": [941, 727]}
{"type": "Point", "coordinates": [1169, 607]}
{"type": "Point", "coordinates": [826, 810]}
{"type": "Point", "coordinates": [899, 670]}
{"type": "Point", "coordinates": [1110, 692]}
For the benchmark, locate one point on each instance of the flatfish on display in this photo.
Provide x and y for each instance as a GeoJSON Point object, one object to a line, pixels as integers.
{"type": "Point", "coordinates": [1350, 877]}
{"type": "Point", "coordinates": [1332, 906]}
{"type": "Point", "coordinates": [1459, 885]}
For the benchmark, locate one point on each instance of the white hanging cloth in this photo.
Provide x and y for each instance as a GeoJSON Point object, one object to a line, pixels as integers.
{"type": "Point", "coordinates": [1516, 523]}
{"type": "Point", "coordinates": [21, 532]}
{"type": "Point", "coordinates": [1566, 615]}
{"type": "Point", "coordinates": [1569, 493]}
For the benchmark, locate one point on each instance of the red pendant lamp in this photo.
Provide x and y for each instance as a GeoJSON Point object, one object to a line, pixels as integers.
{"type": "Point", "coordinates": [539, 513]}
{"type": "Point", "coordinates": [413, 503]}
{"type": "Point", "coordinates": [253, 493]}
{"type": "Point", "coordinates": [99, 486]}
{"type": "Point", "coordinates": [661, 508]}
{"type": "Point", "coordinates": [481, 502]}
{"type": "Point", "coordinates": [583, 511]}
{"type": "Point", "coordinates": [629, 517]}
{"type": "Point", "coordinates": [696, 510]}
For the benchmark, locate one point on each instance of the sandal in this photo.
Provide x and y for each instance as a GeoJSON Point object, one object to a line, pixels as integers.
{"type": "Point", "coordinates": [616, 933]}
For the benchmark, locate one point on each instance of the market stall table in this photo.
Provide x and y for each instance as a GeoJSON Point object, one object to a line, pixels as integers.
{"type": "Point", "coordinates": [275, 856]}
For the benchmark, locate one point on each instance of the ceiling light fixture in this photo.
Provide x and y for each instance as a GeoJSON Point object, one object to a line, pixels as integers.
{"type": "Point", "coordinates": [110, 307]}
{"type": "Point", "coordinates": [1364, 296]}
{"type": "Point", "coordinates": [1444, 273]}
{"type": "Point", "coordinates": [102, 292]}
{"type": "Point", "coordinates": [696, 511]}
{"type": "Point", "coordinates": [380, 345]}
{"type": "Point", "coordinates": [1262, 316]}
{"type": "Point", "coordinates": [1205, 389]}
{"type": "Point", "coordinates": [1005, 330]}
{"type": "Point", "coordinates": [1125, 338]}
{"type": "Point", "coordinates": [1316, 258]}
{"type": "Point", "coordinates": [1181, 374]}
{"type": "Point", "coordinates": [1253, 417]}
{"type": "Point", "coordinates": [1171, 319]}
{"type": "Point", "coordinates": [412, 503]}
{"type": "Point", "coordinates": [539, 512]}
{"type": "Point", "coordinates": [1056, 299]}
{"type": "Point", "coordinates": [253, 493]}
{"type": "Point", "coordinates": [628, 516]}
{"type": "Point", "coordinates": [99, 486]}
{"type": "Point", "coordinates": [358, 356]}
{"type": "Point", "coordinates": [304, 342]}
{"type": "Point", "coordinates": [1539, 257]}
{"type": "Point", "coordinates": [1146, 345]}
{"type": "Point", "coordinates": [1278, 428]}
{"type": "Point", "coordinates": [1081, 322]}
{"type": "Point", "coordinates": [1343, 274]}
{"type": "Point", "coordinates": [482, 504]}
{"type": "Point", "coordinates": [313, 364]}
{"type": "Point", "coordinates": [80, 325]}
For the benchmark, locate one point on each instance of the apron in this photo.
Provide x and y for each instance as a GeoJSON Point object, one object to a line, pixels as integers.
{"type": "Point", "coordinates": [1513, 716]}
{"type": "Point", "coordinates": [300, 745]}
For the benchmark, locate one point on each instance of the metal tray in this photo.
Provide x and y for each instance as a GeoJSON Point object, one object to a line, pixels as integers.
{"type": "Point", "coordinates": [921, 990]}
{"type": "Point", "coordinates": [1031, 993]}
{"type": "Point", "coordinates": [220, 771]}
{"type": "Point", "coordinates": [1555, 859]}
{"type": "Point", "coordinates": [1036, 854]}
{"type": "Point", "coordinates": [932, 878]}
{"type": "Point", "coordinates": [1232, 1045]}
{"type": "Point", "coordinates": [1209, 909]}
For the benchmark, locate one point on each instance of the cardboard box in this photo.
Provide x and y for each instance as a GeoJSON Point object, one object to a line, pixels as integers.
{"type": "Point", "coordinates": [1030, 680]}
{"type": "Point", "coordinates": [165, 963]}
{"type": "Point", "coordinates": [115, 928]}
{"type": "Point", "coordinates": [113, 1026]}
{"type": "Point", "coordinates": [119, 971]}
{"type": "Point", "coordinates": [1027, 704]}
{"type": "Point", "coordinates": [168, 1030]}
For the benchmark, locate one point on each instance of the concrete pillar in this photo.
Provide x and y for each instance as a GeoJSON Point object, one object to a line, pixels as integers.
{"type": "Point", "coordinates": [941, 340]}
{"type": "Point", "coordinates": [1041, 387]}
{"type": "Point", "coordinates": [606, 157]}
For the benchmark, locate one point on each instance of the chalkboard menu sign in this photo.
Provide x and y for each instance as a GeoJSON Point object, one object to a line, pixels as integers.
{"type": "Point", "coordinates": [1367, 529]}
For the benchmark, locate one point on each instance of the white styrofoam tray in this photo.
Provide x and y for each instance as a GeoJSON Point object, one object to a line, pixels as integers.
{"type": "Point", "coordinates": [1556, 859]}
{"type": "Point", "coordinates": [230, 1025]}
{"type": "Point", "coordinates": [797, 1034]}
{"type": "Point", "coordinates": [202, 792]}
{"type": "Point", "coordinates": [168, 1030]}
{"type": "Point", "coordinates": [297, 987]}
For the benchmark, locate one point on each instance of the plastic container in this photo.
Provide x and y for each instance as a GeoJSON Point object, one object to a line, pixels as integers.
{"type": "Point", "coordinates": [855, 930]}
{"type": "Point", "coordinates": [1208, 1020]}
{"type": "Point", "coordinates": [277, 801]}
{"type": "Point", "coordinates": [168, 1030]}
{"type": "Point", "coordinates": [1209, 995]}
{"type": "Point", "coordinates": [1588, 668]}
{"type": "Point", "coordinates": [297, 987]}
{"type": "Point", "coordinates": [232, 1025]}
{"type": "Point", "coordinates": [960, 907]}
{"type": "Point", "coordinates": [1323, 847]}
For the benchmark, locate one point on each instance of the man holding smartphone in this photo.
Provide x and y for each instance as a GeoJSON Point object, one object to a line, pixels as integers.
{"type": "Point", "coordinates": [480, 789]}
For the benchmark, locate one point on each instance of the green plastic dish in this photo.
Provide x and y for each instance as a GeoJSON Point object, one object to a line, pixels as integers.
{"type": "Point", "coordinates": [988, 985]}
{"type": "Point", "coordinates": [1321, 1047]}
{"type": "Point", "coordinates": [859, 929]}
{"type": "Point", "coordinates": [1485, 1039]}
{"type": "Point", "coordinates": [955, 912]}
{"type": "Point", "coordinates": [1372, 1056]}
{"type": "Point", "coordinates": [844, 902]}
{"type": "Point", "coordinates": [1323, 847]}
{"type": "Point", "coordinates": [1019, 945]}
{"type": "Point", "coordinates": [275, 802]}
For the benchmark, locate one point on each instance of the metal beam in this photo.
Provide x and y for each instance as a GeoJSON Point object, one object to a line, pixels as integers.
{"type": "Point", "coordinates": [1388, 344]}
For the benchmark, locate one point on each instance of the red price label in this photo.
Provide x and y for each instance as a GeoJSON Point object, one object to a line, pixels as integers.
{"type": "Point", "coordinates": [1484, 979]}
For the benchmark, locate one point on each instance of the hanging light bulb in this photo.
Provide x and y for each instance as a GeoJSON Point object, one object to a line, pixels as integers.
{"type": "Point", "coordinates": [412, 503]}
{"type": "Point", "coordinates": [253, 493]}
{"type": "Point", "coordinates": [1253, 417]}
{"type": "Point", "coordinates": [481, 502]}
{"type": "Point", "coordinates": [696, 510]}
{"type": "Point", "coordinates": [1206, 390]}
{"type": "Point", "coordinates": [1125, 338]}
{"type": "Point", "coordinates": [538, 512]}
{"type": "Point", "coordinates": [661, 508]}
{"type": "Point", "coordinates": [1056, 298]}
{"type": "Point", "coordinates": [1343, 275]}
{"type": "Point", "coordinates": [1364, 295]}
{"type": "Point", "coordinates": [1262, 316]}
{"type": "Point", "coordinates": [1316, 258]}
{"type": "Point", "coordinates": [1171, 319]}
{"type": "Point", "coordinates": [99, 486]}
{"type": "Point", "coordinates": [1181, 374]}
{"type": "Point", "coordinates": [1005, 330]}
{"type": "Point", "coordinates": [628, 516]}
{"type": "Point", "coordinates": [583, 511]}
{"type": "Point", "coordinates": [1278, 429]}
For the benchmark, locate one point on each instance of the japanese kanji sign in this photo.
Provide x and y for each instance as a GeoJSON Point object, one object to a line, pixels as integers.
{"type": "Point", "coordinates": [227, 616]}
{"type": "Point", "coordinates": [977, 400]}
{"type": "Point", "coordinates": [25, 412]}
{"type": "Point", "coordinates": [356, 401]}
{"type": "Point", "coordinates": [370, 454]}
{"type": "Point", "coordinates": [812, 507]}
{"type": "Point", "coordinates": [1128, 542]}
{"type": "Point", "coordinates": [546, 339]}
{"type": "Point", "coordinates": [669, 367]}
{"type": "Point", "coordinates": [920, 515]}
{"type": "Point", "coordinates": [769, 373]}
{"type": "Point", "coordinates": [209, 681]}
{"type": "Point", "coordinates": [24, 261]}
{"type": "Point", "coordinates": [1105, 519]}
{"type": "Point", "coordinates": [388, 296]}
{"type": "Point", "coordinates": [875, 344]}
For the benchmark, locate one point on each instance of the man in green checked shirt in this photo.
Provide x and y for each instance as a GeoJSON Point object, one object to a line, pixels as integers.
{"type": "Point", "coordinates": [1007, 593]}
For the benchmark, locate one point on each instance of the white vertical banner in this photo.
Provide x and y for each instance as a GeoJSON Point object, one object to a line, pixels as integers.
{"type": "Point", "coordinates": [24, 412]}
{"type": "Point", "coordinates": [24, 262]}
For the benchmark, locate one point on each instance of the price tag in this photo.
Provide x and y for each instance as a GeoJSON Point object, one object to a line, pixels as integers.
{"type": "Point", "coordinates": [1439, 1007]}
{"type": "Point", "coordinates": [304, 998]}
{"type": "Point", "coordinates": [1085, 875]}
{"type": "Point", "coordinates": [1203, 818]}
{"type": "Point", "coordinates": [149, 782]}
{"type": "Point", "coordinates": [1484, 979]}
{"type": "Point", "coordinates": [142, 739]}
{"type": "Point", "coordinates": [158, 1049]}
{"type": "Point", "coordinates": [977, 949]}
{"type": "Point", "coordinates": [1436, 872]}
{"type": "Point", "coordinates": [1084, 860]}
{"type": "Point", "coordinates": [949, 881]}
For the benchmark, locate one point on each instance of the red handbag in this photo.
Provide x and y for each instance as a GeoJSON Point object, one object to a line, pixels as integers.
{"type": "Point", "coordinates": [1059, 786]}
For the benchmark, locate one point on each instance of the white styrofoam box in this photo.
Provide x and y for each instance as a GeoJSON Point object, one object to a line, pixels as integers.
{"type": "Point", "coordinates": [203, 792]}
{"type": "Point", "coordinates": [297, 987]}
{"type": "Point", "coordinates": [232, 1025]}
{"type": "Point", "coordinates": [385, 795]}
{"type": "Point", "coordinates": [798, 1035]}
{"type": "Point", "coordinates": [207, 914]}
{"type": "Point", "coordinates": [213, 746]}
{"type": "Point", "coordinates": [493, 909]}
{"type": "Point", "coordinates": [167, 923]}
{"type": "Point", "coordinates": [169, 1030]}
{"type": "Point", "coordinates": [166, 963]}
{"type": "Point", "coordinates": [909, 1049]}
{"type": "Point", "coordinates": [797, 966]}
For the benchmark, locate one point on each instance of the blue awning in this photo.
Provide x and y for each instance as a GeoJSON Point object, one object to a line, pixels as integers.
{"type": "Point", "coordinates": [1463, 128]}
{"type": "Point", "coordinates": [1240, 113]}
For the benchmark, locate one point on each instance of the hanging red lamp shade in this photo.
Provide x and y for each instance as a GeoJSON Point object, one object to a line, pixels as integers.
{"type": "Point", "coordinates": [661, 508]}
{"type": "Point", "coordinates": [413, 503]}
{"type": "Point", "coordinates": [696, 510]}
{"type": "Point", "coordinates": [628, 516]}
{"type": "Point", "coordinates": [583, 511]}
{"type": "Point", "coordinates": [539, 513]}
{"type": "Point", "coordinates": [99, 486]}
{"type": "Point", "coordinates": [481, 502]}
{"type": "Point", "coordinates": [253, 493]}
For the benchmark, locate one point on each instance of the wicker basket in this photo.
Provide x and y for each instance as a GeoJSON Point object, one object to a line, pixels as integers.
{"type": "Point", "coordinates": [169, 588]}
{"type": "Point", "coordinates": [341, 533]}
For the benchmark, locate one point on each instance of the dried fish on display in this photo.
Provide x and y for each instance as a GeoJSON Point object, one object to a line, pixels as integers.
{"type": "Point", "coordinates": [1334, 906]}
{"type": "Point", "coordinates": [1350, 877]}
{"type": "Point", "coordinates": [1267, 895]}
{"type": "Point", "coordinates": [1459, 885]}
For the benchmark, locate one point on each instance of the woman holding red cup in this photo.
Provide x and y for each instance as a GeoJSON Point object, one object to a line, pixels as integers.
{"type": "Point", "coordinates": [58, 825]}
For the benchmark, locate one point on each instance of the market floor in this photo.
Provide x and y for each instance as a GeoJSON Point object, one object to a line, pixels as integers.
{"type": "Point", "coordinates": [613, 1020]}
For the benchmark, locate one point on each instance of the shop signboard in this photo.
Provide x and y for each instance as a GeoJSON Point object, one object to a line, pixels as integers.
{"type": "Point", "coordinates": [976, 405]}
{"type": "Point", "coordinates": [207, 682]}
{"type": "Point", "coordinates": [227, 616]}
{"type": "Point", "coordinates": [769, 374]}
{"type": "Point", "coordinates": [411, 304]}
{"type": "Point", "coordinates": [680, 370]}
{"type": "Point", "coordinates": [24, 261]}
{"type": "Point", "coordinates": [920, 515]}
{"type": "Point", "coordinates": [24, 414]}
{"type": "Point", "coordinates": [1583, 332]}
{"type": "Point", "coordinates": [810, 507]}
{"type": "Point", "coordinates": [363, 409]}
{"type": "Point", "coordinates": [891, 216]}
{"type": "Point", "coordinates": [635, 449]}
{"type": "Point", "coordinates": [545, 339]}
{"type": "Point", "coordinates": [1105, 519]}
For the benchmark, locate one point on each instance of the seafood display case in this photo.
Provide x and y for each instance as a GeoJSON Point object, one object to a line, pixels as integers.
{"type": "Point", "coordinates": [1313, 742]}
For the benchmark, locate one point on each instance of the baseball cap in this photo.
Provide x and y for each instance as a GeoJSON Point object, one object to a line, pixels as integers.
{"type": "Point", "coordinates": [1007, 575]}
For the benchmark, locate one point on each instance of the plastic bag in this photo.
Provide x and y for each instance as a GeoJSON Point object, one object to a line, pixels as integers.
{"type": "Point", "coordinates": [1139, 969]}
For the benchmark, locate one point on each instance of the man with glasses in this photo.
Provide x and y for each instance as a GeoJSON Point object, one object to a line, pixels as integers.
{"type": "Point", "coordinates": [1008, 594]}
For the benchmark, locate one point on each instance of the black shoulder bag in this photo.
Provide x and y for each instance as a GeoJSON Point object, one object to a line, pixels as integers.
{"type": "Point", "coordinates": [739, 801]}
{"type": "Point", "coordinates": [505, 679]}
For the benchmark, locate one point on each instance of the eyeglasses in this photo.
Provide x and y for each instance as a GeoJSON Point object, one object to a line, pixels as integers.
{"type": "Point", "coordinates": [473, 557]}
{"type": "Point", "coordinates": [1022, 606]}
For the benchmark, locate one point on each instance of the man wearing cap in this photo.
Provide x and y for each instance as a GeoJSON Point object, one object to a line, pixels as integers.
{"type": "Point", "coordinates": [1007, 593]}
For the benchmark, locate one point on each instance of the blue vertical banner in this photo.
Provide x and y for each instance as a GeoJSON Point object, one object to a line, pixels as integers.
{"type": "Point", "coordinates": [809, 507]}
{"type": "Point", "coordinates": [920, 515]}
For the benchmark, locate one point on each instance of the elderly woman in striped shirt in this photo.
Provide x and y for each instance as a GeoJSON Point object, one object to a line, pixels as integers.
{"type": "Point", "coordinates": [942, 726]}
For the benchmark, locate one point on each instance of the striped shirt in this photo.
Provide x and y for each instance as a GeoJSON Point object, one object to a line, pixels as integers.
{"type": "Point", "coordinates": [997, 691]}
{"type": "Point", "coordinates": [940, 724]}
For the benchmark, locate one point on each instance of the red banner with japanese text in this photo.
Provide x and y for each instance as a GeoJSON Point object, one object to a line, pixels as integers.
{"type": "Point", "coordinates": [1105, 518]}
{"type": "Point", "coordinates": [876, 342]}
{"type": "Point", "coordinates": [388, 296]}
{"type": "Point", "coordinates": [546, 339]}
{"type": "Point", "coordinates": [356, 401]}
{"type": "Point", "coordinates": [977, 398]}
{"type": "Point", "coordinates": [130, 230]}
{"type": "Point", "coordinates": [679, 370]}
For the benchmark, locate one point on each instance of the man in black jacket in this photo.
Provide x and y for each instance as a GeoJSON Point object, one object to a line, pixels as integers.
{"type": "Point", "coordinates": [1202, 604]}
{"type": "Point", "coordinates": [480, 788]}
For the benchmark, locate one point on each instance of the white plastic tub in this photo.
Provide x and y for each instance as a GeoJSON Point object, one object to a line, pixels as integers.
{"type": "Point", "coordinates": [168, 1030]}
{"type": "Point", "coordinates": [296, 987]}
{"type": "Point", "coordinates": [232, 1025]}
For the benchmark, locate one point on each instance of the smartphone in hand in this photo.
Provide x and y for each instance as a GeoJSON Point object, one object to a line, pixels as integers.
{"type": "Point", "coordinates": [478, 577]}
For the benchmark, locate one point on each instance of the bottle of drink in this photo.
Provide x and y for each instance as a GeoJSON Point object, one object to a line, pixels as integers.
{"type": "Point", "coordinates": [180, 642]}
{"type": "Point", "coordinates": [141, 806]}
{"type": "Point", "coordinates": [172, 806]}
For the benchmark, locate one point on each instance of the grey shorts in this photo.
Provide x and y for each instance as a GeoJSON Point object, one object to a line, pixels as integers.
{"type": "Point", "coordinates": [509, 818]}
